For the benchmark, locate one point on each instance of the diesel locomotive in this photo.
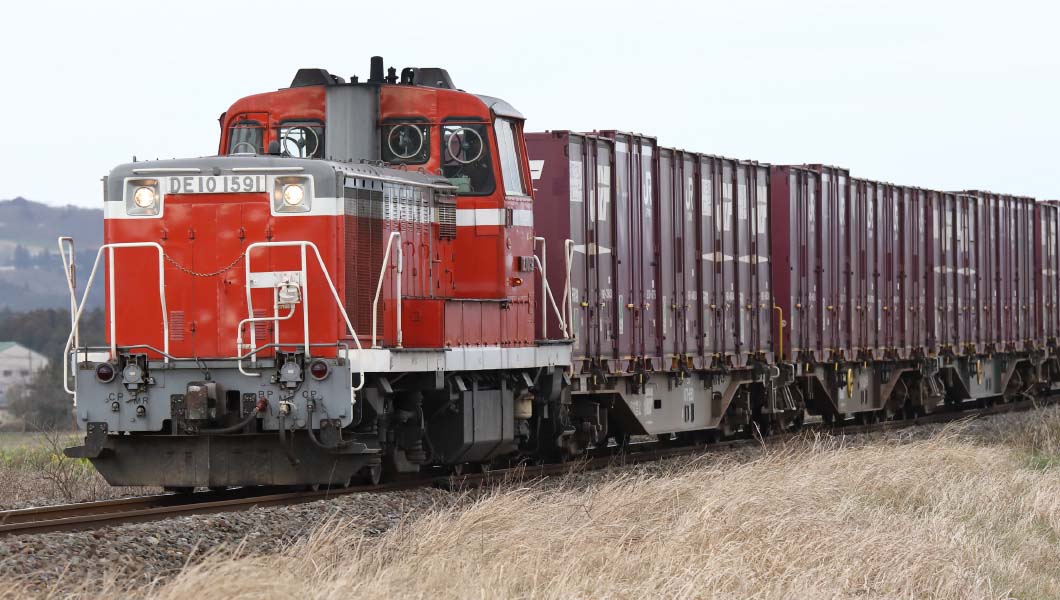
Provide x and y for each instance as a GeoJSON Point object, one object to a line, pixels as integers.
{"type": "Point", "coordinates": [388, 275]}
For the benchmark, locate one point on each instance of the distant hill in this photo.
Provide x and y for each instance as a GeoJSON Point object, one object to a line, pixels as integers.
{"type": "Point", "coordinates": [31, 275]}
{"type": "Point", "coordinates": [36, 225]}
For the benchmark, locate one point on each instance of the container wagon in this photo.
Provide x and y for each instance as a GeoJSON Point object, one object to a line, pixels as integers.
{"type": "Point", "coordinates": [669, 290]}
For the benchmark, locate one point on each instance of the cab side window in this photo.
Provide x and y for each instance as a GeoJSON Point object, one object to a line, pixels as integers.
{"type": "Point", "coordinates": [508, 155]}
{"type": "Point", "coordinates": [301, 139]}
{"type": "Point", "coordinates": [466, 158]}
{"type": "Point", "coordinates": [406, 142]}
{"type": "Point", "coordinates": [246, 137]}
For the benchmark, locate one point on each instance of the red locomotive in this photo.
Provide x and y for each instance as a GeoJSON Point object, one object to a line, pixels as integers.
{"type": "Point", "coordinates": [460, 316]}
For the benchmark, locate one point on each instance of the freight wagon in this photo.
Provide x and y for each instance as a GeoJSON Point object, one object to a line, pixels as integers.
{"type": "Point", "coordinates": [779, 289]}
{"type": "Point", "coordinates": [669, 293]}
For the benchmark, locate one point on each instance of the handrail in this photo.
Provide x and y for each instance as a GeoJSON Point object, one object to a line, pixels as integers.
{"type": "Point", "coordinates": [113, 300]}
{"type": "Point", "coordinates": [379, 288]}
{"type": "Point", "coordinates": [68, 261]}
{"type": "Point", "coordinates": [548, 292]}
{"type": "Point", "coordinates": [71, 281]}
{"type": "Point", "coordinates": [239, 337]}
{"type": "Point", "coordinates": [305, 293]}
{"type": "Point", "coordinates": [568, 306]}
{"type": "Point", "coordinates": [71, 284]}
{"type": "Point", "coordinates": [544, 288]}
{"type": "Point", "coordinates": [780, 331]}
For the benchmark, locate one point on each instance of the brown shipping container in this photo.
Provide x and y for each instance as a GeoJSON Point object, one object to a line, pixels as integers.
{"type": "Point", "coordinates": [888, 264]}
{"type": "Point", "coordinates": [557, 166]}
{"type": "Point", "coordinates": [912, 276]}
{"type": "Point", "coordinates": [671, 249]}
{"type": "Point", "coordinates": [733, 253]}
{"type": "Point", "coordinates": [834, 260]}
{"type": "Point", "coordinates": [666, 258]}
{"type": "Point", "coordinates": [967, 311]}
{"type": "Point", "coordinates": [573, 200]}
{"type": "Point", "coordinates": [851, 264]}
{"type": "Point", "coordinates": [1047, 268]}
{"type": "Point", "coordinates": [713, 249]}
{"type": "Point", "coordinates": [754, 289]}
{"type": "Point", "coordinates": [1010, 221]}
{"type": "Point", "coordinates": [864, 281]}
{"type": "Point", "coordinates": [858, 272]}
{"type": "Point", "coordinates": [793, 197]}
{"type": "Point", "coordinates": [678, 227]}
{"type": "Point", "coordinates": [635, 242]}
{"type": "Point", "coordinates": [812, 257]}
{"type": "Point", "coordinates": [981, 326]}
{"type": "Point", "coordinates": [1025, 278]}
{"type": "Point", "coordinates": [599, 242]}
{"type": "Point", "coordinates": [948, 275]}
{"type": "Point", "coordinates": [959, 273]}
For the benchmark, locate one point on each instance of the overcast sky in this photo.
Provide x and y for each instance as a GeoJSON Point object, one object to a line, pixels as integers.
{"type": "Point", "coordinates": [946, 95]}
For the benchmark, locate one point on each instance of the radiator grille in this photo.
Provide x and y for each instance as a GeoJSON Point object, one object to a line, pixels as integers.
{"type": "Point", "coordinates": [261, 328]}
{"type": "Point", "coordinates": [446, 210]}
{"type": "Point", "coordinates": [364, 253]}
{"type": "Point", "coordinates": [176, 326]}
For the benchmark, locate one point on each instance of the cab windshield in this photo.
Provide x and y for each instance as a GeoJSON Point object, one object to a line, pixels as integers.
{"type": "Point", "coordinates": [301, 139]}
{"type": "Point", "coordinates": [466, 158]}
{"type": "Point", "coordinates": [246, 137]}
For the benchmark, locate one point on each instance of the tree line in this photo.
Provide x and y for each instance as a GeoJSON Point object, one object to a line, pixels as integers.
{"type": "Point", "coordinates": [42, 403]}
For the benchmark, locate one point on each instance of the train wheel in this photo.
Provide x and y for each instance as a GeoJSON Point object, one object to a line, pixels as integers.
{"type": "Point", "coordinates": [371, 475]}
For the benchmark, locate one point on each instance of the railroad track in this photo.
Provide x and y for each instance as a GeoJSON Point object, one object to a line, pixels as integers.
{"type": "Point", "coordinates": [91, 515]}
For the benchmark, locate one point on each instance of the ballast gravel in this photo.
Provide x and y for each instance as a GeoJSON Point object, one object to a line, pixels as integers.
{"type": "Point", "coordinates": [145, 552]}
{"type": "Point", "coordinates": [150, 552]}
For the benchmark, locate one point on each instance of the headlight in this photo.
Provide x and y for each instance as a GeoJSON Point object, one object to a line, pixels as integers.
{"type": "Point", "coordinates": [145, 197]}
{"type": "Point", "coordinates": [293, 194]}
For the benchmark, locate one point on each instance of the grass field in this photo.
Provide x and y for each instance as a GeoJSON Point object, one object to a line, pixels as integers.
{"type": "Point", "coordinates": [939, 518]}
{"type": "Point", "coordinates": [971, 513]}
{"type": "Point", "coordinates": [34, 472]}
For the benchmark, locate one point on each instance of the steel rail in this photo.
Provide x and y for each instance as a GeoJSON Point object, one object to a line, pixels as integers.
{"type": "Point", "coordinates": [91, 515]}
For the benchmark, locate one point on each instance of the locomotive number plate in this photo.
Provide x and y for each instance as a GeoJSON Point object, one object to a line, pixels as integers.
{"type": "Point", "coordinates": [215, 184]}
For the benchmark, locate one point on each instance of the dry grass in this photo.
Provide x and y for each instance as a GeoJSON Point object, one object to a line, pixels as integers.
{"type": "Point", "coordinates": [947, 517]}
{"type": "Point", "coordinates": [34, 472]}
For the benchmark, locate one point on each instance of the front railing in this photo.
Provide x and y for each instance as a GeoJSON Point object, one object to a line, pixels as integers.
{"type": "Point", "coordinates": [280, 281]}
{"type": "Point", "coordinates": [110, 248]}
{"type": "Point", "coordinates": [283, 284]}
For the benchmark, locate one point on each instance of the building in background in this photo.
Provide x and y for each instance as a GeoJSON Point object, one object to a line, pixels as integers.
{"type": "Point", "coordinates": [18, 365]}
